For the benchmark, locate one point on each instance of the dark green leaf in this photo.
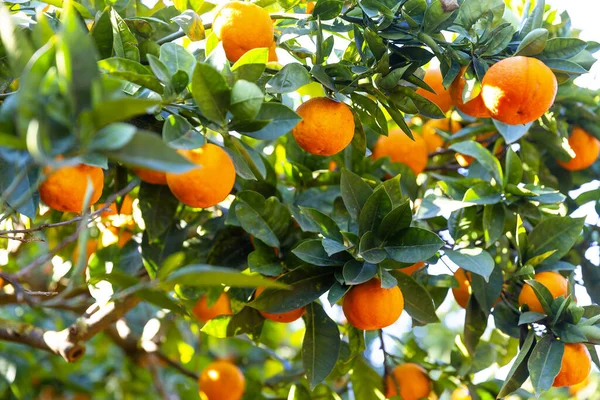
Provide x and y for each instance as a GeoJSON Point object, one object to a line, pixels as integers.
{"type": "Point", "coordinates": [290, 78]}
{"type": "Point", "coordinates": [545, 363]}
{"type": "Point", "coordinates": [554, 233]}
{"type": "Point", "coordinates": [355, 192]}
{"type": "Point", "coordinates": [417, 300]}
{"type": "Point", "coordinates": [211, 92]}
{"type": "Point", "coordinates": [413, 245]}
{"type": "Point", "coordinates": [312, 252]}
{"type": "Point", "coordinates": [475, 260]}
{"type": "Point", "coordinates": [320, 346]}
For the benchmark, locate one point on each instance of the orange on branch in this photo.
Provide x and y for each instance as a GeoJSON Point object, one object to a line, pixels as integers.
{"type": "Point", "coordinates": [474, 107]}
{"type": "Point", "coordinates": [463, 291]}
{"type": "Point", "coordinates": [575, 367]}
{"type": "Point", "coordinates": [411, 379]}
{"type": "Point", "coordinates": [310, 7]}
{"type": "Point", "coordinates": [461, 393]}
{"type": "Point", "coordinates": [432, 138]}
{"type": "Point", "coordinates": [586, 148]}
{"type": "Point", "coordinates": [272, 53]}
{"type": "Point", "coordinates": [441, 97]}
{"type": "Point", "coordinates": [241, 27]}
{"type": "Point", "coordinates": [209, 183]}
{"type": "Point", "coordinates": [368, 306]}
{"type": "Point", "coordinates": [518, 90]}
{"type": "Point", "coordinates": [327, 126]}
{"type": "Point", "coordinates": [221, 380]}
{"type": "Point", "coordinates": [151, 176]}
{"type": "Point", "coordinates": [285, 317]}
{"type": "Point", "coordinates": [64, 188]}
{"type": "Point", "coordinates": [402, 149]}
{"type": "Point", "coordinates": [203, 312]}
{"type": "Point", "coordinates": [413, 268]}
{"type": "Point", "coordinates": [554, 282]}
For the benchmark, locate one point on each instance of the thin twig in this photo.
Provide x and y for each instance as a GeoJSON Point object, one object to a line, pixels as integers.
{"type": "Point", "coordinates": [176, 365]}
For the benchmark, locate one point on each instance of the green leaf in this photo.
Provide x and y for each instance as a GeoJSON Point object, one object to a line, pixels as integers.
{"type": "Point", "coordinates": [493, 223]}
{"type": "Point", "coordinates": [290, 78]}
{"type": "Point", "coordinates": [191, 24]}
{"type": "Point", "coordinates": [246, 100]}
{"type": "Point", "coordinates": [327, 226]}
{"type": "Point", "coordinates": [377, 206]}
{"type": "Point", "coordinates": [412, 245]}
{"type": "Point", "coordinates": [482, 193]}
{"type": "Point", "coordinates": [356, 272]}
{"type": "Point", "coordinates": [131, 71]}
{"type": "Point", "coordinates": [112, 137]}
{"type": "Point", "coordinates": [280, 120]}
{"type": "Point", "coordinates": [534, 43]}
{"type": "Point", "coordinates": [488, 292]}
{"type": "Point", "coordinates": [327, 9]}
{"type": "Point", "coordinates": [543, 295]}
{"type": "Point", "coordinates": [481, 154]}
{"type": "Point", "coordinates": [102, 34]}
{"type": "Point", "coordinates": [472, 10]}
{"type": "Point", "coordinates": [211, 92]}
{"type": "Point", "coordinates": [533, 20]}
{"type": "Point", "coordinates": [499, 39]}
{"type": "Point", "coordinates": [124, 42]}
{"type": "Point", "coordinates": [514, 168]}
{"type": "Point", "coordinates": [366, 383]}
{"type": "Point", "coordinates": [251, 65]}
{"type": "Point", "coordinates": [178, 133]}
{"type": "Point", "coordinates": [355, 192]}
{"type": "Point", "coordinates": [563, 47]}
{"type": "Point", "coordinates": [564, 66]}
{"type": "Point", "coordinates": [545, 363]}
{"type": "Point", "coordinates": [147, 150]}
{"type": "Point", "coordinates": [208, 275]}
{"type": "Point", "coordinates": [321, 345]}
{"type": "Point", "coordinates": [518, 373]}
{"type": "Point", "coordinates": [312, 252]}
{"type": "Point", "coordinates": [18, 46]}
{"type": "Point", "coordinates": [369, 248]}
{"type": "Point", "coordinates": [158, 207]}
{"type": "Point", "coordinates": [253, 223]}
{"type": "Point", "coordinates": [176, 58]}
{"type": "Point", "coordinates": [305, 285]}
{"type": "Point", "coordinates": [417, 300]}
{"type": "Point", "coordinates": [511, 133]}
{"type": "Point", "coordinates": [475, 260]}
{"type": "Point", "coordinates": [435, 17]}
{"type": "Point", "coordinates": [530, 317]}
{"type": "Point", "coordinates": [248, 320]}
{"type": "Point", "coordinates": [554, 233]}
{"type": "Point", "coordinates": [121, 109]}
{"type": "Point", "coordinates": [475, 324]}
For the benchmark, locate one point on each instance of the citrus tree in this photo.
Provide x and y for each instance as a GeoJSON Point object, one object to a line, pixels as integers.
{"type": "Point", "coordinates": [274, 200]}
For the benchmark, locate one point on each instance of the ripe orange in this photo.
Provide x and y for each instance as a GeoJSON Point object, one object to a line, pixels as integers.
{"type": "Point", "coordinates": [289, 316]}
{"type": "Point", "coordinates": [461, 393]}
{"type": "Point", "coordinates": [207, 185]}
{"type": "Point", "coordinates": [327, 126]}
{"type": "Point", "coordinates": [310, 7]}
{"type": "Point", "coordinates": [586, 148]}
{"type": "Point", "coordinates": [272, 53]}
{"type": "Point", "coordinates": [203, 312]}
{"type": "Point", "coordinates": [554, 282]}
{"type": "Point", "coordinates": [441, 97]}
{"type": "Point", "coordinates": [368, 306]}
{"type": "Point", "coordinates": [151, 176]}
{"type": "Point", "coordinates": [518, 90]}
{"type": "Point", "coordinates": [242, 27]}
{"type": "Point", "coordinates": [221, 380]}
{"type": "Point", "coordinates": [463, 291]}
{"type": "Point", "coordinates": [576, 365]}
{"type": "Point", "coordinates": [433, 140]}
{"type": "Point", "coordinates": [412, 380]}
{"type": "Point", "coordinates": [90, 247]}
{"type": "Point", "coordinates": [413, 268]}
{"type": "Point", "coordinates": [64, 188]}
{"type": "Point", "coordinates": [474, 107]}
{"type": "Point", "coordinates": [400, 148]}
{"type": "Point", "coordinates": [126, 208]}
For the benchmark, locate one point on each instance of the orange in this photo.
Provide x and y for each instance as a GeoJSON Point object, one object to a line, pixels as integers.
{"type": "Point", "coordinates": [573, 390]}
{"type": "Point", "coordinates": [289, 316]}
{"type": "Point", "coordinates": [518, 90]}
{"type": "Point", "coordinates": [126, 208]}
{"type": "Point", "coordinates": [272, 53]}
{"type": "Point", "coordinates": [332, 166]}
{"type": "Point", "coordinates": [242, 27]}
{"type": "Point", "coordinates": [412, 380]}
{"type": "Point", "coordinates": [122, 234]}
{"type": "Point", "coordinates": [327, 126]}
{"type": "Point", "coordinates": [208, 184]}
{"type": "Point", "coordinates": [463, 291]}
{"type": "Point", "coordinates": [433, 140]}
{"type": "Point", "coordinates": [461, 393]}
{"type": "Point", "coordinates": [441, 97]}
{"type": "Point", "coordinates": [221, 380]}
{"type": "Point", "coordinates": [400, 148]}
{"type": "Point", "coordinates": [575, 367]}
{"type": "Point", "coordinates": [368, 306]}
{"type": "Point", "coordinates": [64, 188]}
{"type": "Point", "coordinates": [474, 107]}
{"type": "Point", "coordinates": [90, 247]}
{"type": "Point", "coordinates": [151, 176]}
{"type": "Point", "coordinates": [203, 312]}
{"type": "Point", "coordinates": [586, 148]}
{"type": "Point", "coordinates": [554, 282]}
{"type": "Point", "coordinates": [413, 268]}
{"type": "Point", "coordinates": [310, 7]}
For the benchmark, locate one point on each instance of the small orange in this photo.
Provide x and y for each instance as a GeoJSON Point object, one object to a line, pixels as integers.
{"type": "Point", "coordinates": [433, 140]}
{"type": "Point", "coordinates": [208, 184]}
{"type": "Point", "coordinates": [151, 176]}
{"type": "Point", "coordinates": [327, 126]}
{"type": "Point", "coordinates": [332, 166]}
{"type": "Point", "coordinates": [411, 379]}
{"type": "Point", "coordinates": [586, 148]}
{"type": "Point", "coordinates": [242, 27]}
{"type": "Point", "coordinates": [461, 393]}
{"type": "Point", "coordinates": [463, 291]}
{"type": "Point", "coordinates": [554, 282]}
{"type": "Point", "coordinates": [64, 188]}
{"type": "Point", "coordinates": [368, 306]}
{"type": "Point", "coordinates": [221, 380]}
{"type": "Point", "coordinates": [126, 208]}
{"type": "Point", "coordinates": [518, 90]}
{"type": "Point", "coordinates": [575, 367]}
{"type": "Point", "coordinates": [289, 316]}
{"type": "Point", "coordinates": [203, 312]}
{"type": "Point", "coordinates": [310, 7]}
{"type": "Point", "coordinates": [402, 149]}
{"type": "Point", "coordinates": [441, 97]}
{"type": "Point", "coordinates": [413, 268]}
{"type": "Point", "coordinates": [474, 107]}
